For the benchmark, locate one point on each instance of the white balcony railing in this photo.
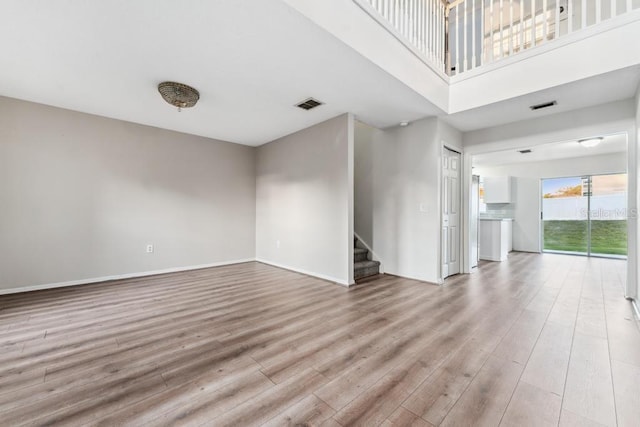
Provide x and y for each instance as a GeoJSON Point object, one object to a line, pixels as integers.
{"type": "Point", "coordinates": [420, 23]}
{"type": "Point", "coordinates": [460, 35]}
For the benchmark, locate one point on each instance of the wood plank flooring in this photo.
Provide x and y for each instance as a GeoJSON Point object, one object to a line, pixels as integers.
{"type": "Point", "coordinates": [534, 341]}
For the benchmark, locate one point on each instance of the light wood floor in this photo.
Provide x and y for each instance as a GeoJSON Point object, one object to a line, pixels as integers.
{"type": "Point", "coordinates": [537, 340]}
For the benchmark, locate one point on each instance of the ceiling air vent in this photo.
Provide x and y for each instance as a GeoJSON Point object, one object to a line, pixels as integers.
{"type": "Point", "coordinates": [545, 105]}
{"type": "Point", "coordinates": [308, 104]}
{"type": "Point", "coordinates": [525, 151]}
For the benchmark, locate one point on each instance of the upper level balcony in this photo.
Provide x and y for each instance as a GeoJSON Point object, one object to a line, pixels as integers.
{"type": "Point", "coordinates": [461, 35]}
{"type": "Point", "coordinates": [466, 54]}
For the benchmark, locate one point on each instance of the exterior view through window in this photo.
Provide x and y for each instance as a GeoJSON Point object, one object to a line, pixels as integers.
{"type": "Point", "coordinates": [585, 215]}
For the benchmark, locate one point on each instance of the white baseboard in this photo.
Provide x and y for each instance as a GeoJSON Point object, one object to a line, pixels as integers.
{"type": "Point", "coordinates": [417, 279]}
{"type": "Point", "coordinates": [120, 276]}
{"type": "Point", "coordinates": [308, 273]}
{"type": "Point", "coordinates": [492, 259]}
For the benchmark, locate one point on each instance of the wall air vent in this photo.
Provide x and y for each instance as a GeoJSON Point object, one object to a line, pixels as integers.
{"type": "Point", "coordinates": [525, 151]}
{"type": "Point", "coordinates": [545, 105]}
{"type": "Point", "coordinates": [308, 104]}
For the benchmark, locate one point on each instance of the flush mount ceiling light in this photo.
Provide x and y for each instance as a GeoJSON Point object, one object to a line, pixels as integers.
{"type": "Point", "coordinates": [590, 142]}
{"type": "Point", "coordinates": [178, 94]}
{"type": "Point", "coordinates": [404, 123]}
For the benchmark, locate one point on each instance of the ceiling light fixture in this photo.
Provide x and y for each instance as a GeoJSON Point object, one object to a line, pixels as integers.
{"type": "Point", "coordinates": [404, 123]}
{"type": "Point", "coordinates": [590, 142]}
{"type": "Point", "coordinates": [178, 94]}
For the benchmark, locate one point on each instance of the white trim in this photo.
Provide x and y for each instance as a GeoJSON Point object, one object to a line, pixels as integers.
{"type": "Point", "coordinates": [306, 272]}
{"type": "Point", "coordinates": [374, 256]}
{"type": "Point", "coordinates": [119, 277]}
{"type": "Point", "coordinates": [492, 259]}
{"type": "Point", "coordinates": [437, 282]}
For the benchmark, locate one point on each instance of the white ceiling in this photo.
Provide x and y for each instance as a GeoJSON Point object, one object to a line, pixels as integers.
{"type": "Point", "coordinates": [560, 150]}
{"type": "Point", "coordinates": [250, 60]}
{"type": "Point", "coordinates": [614, 86]}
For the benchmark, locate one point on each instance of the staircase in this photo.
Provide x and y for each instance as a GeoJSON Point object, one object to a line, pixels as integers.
{"type": "Point", "coordinates": [362, 265]}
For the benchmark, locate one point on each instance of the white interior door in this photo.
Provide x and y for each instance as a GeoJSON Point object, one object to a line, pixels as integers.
{"type": "Point", "coordinates": [450, 213]}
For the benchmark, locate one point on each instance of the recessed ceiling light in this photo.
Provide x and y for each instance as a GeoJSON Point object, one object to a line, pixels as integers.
{"type": "Point", "coordinates": [404, 123]}
{"type": "Point", "coordinates": [590, 142]}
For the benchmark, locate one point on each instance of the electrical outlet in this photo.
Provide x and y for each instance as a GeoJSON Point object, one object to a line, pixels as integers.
{"type": "Point", "coordinates": [277, 244]}
{"type": "Point", "coordinates": [149, 249]}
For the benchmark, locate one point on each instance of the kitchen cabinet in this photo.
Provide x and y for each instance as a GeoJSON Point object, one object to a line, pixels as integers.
{"type": "Point", "coordinates": [496, 238]}
{"type": "Point", "coordinates": [498, 189]}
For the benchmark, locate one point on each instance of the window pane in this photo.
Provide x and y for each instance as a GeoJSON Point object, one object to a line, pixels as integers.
{"type": "Point", "coordinates": [564, 210]}
{"type": "Point", "coordinates": [609, 215]}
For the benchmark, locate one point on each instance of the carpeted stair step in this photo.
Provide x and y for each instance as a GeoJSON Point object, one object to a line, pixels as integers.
{"type": "Point", "coordinates": [365, 268]}
{"type": "Point", "coordinates": [360, 254]}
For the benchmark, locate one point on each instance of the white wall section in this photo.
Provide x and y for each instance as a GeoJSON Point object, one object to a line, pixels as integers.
{"type": "Point", "coordinates": [363, 196]}
{"type": "Point", "coordinates": [303, 205]}
{"type": "Point", "coordinates": [83, 195]}
{"type": "Point", "coordinates": [397, 196]}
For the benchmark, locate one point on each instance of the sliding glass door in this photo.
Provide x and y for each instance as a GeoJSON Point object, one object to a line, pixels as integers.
{"type": "Point", "coordinates": [585, 215]}
{"type": "Point", "coordinates": [608, 214]}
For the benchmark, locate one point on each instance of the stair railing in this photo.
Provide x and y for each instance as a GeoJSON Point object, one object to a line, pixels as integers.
{"type": "Point", "coordinates": [420, 24]}
{"type": "Point", "coordinates": [485, 31]}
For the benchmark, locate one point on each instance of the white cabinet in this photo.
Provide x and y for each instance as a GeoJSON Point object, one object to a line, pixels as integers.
{"type": "Point", "coordinates": [495, 239]}
{"type": "Point", "coordinates": [498, 189]}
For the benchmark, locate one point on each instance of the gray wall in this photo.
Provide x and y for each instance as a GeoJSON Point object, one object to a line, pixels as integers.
{"type": "Point", "coordinates": [396, 171]}
{"type": "Point", "coordinates": [304, 201]}
{"type": "Point", "coordinates": [82, 195]}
